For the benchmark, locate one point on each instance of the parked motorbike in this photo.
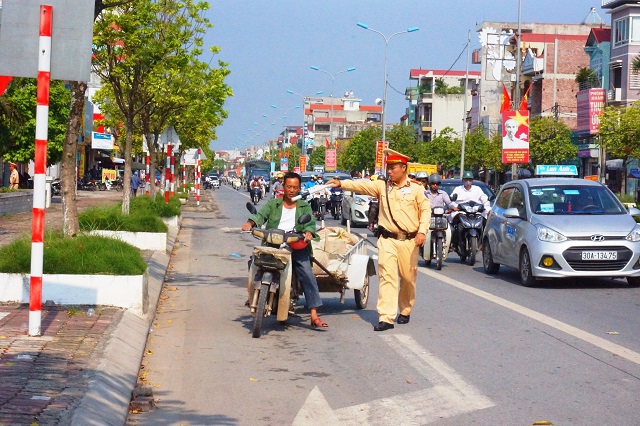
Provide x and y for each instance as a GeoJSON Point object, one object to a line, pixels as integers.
{"type": "Point", "coordinates": [256, 195]}
{"type": "Point", "coordinates": [56, 187]}
{"type": "Point", "coordinates": [436, 245]}
{"type": "Point", "coordinates": [335, 202]}
{"type": "Point", "coordinates": [274, 287]}
{"type": "Point", "coordinates": [468, 228]}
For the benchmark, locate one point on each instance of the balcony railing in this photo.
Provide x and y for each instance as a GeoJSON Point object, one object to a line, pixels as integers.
{"type": "Point", "coordinates": [606, 3]}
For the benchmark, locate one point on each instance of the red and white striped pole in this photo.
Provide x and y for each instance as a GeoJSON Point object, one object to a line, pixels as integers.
{"type": "Point", "coordinates": [184, 173]}
{"type": "Point", "coordinates": [39, 178]}
{"type": "Point", "coordinates": [167, 174]}
{"type": "Point", "coordinates": [146, 176]}
{"type": "Point", "coordinates": [173, 182]}
{"type": "Point", "coordinates": [199, 179]}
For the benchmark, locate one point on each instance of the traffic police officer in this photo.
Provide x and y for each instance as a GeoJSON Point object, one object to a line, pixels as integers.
{"type": "Point", "coordinates": [403, 222]}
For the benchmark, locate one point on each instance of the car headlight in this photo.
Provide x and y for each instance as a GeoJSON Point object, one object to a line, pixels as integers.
{"type": "Point", "coordinates": [549, 235]}
{"type": "Point", "coordinates": [360, 201]}
{"type": "Point", "coordinates": [634, 235]}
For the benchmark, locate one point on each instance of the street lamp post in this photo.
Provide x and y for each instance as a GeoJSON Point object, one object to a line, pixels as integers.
{"type": "Point", "coordinates": [386, 45]}
{"type": "Point", "coordinates": [304, 102]}
{"type": "Point", "coordinates": [333, 77]}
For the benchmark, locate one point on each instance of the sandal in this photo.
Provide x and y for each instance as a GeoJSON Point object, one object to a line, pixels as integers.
{"type": "Point", "coordinates": [317, 323]}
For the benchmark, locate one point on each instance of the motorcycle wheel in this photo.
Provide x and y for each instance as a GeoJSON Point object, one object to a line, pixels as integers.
{"type": "Point", "coordinates": [473, 249]}
{"type": "Point", "coordinates": [262, 303]}
{"type": "Point", "coordinates": [362, 296]}
{"type": "Point", "coordinates": [439, 254]}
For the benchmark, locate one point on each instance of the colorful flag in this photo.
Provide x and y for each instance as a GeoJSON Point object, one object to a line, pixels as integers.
{"type": "Point", "coordinates": [524, 105]}
{"type": "Point", "coordinates": [335, 144]}
{"type": "Point", "coordinates": [506, 100]}
{"type": "Point", "coordinates": [326, 142]}
{"type": "Point", "coordinates": [4, 83]}
{"type": "Point", "coordinates": [280, 154]}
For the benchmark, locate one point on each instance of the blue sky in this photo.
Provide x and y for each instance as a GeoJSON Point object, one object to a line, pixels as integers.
{"type": "Point", "coordinates": [270, 46]}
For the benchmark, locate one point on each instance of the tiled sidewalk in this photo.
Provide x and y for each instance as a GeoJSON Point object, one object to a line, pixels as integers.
{"type": "Point", "coordinates": [44, 378]}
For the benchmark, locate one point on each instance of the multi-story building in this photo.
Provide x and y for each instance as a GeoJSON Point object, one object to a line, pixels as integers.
{"type": "Point", "coordinates": [551, 56]}
{"type": "Point", "coordinates": [437, 100]}
{"type": "Point", "coordinates": [624, 86]}
{"type": "Point", "coordinates": [331, 119]}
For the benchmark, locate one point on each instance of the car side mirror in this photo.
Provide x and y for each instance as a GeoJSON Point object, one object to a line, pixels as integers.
{"type": "Point", "coordinates": [512, 213]}
{"type": "Point", "coordinates": [633, 211]}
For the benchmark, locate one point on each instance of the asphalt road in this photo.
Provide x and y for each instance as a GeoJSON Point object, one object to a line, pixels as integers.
{"type": "Point", "coordinates": [479, 349]}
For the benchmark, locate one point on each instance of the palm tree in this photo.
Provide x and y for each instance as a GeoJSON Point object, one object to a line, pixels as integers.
{"type": "Point", "coordinates": [587, 78]}
{"type": "Point", "coordinates": [635, 64]}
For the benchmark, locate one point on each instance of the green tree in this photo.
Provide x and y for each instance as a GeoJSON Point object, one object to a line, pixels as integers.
{"type": "Point", "coordinates": [360, 153]}
{"type": "Point", "coordinates": [550, 142]}
{"type": "Point", "coordinates": [402, 138]}
{"type": "Point", "coordinates": [17, 142]}
{"type": "Point", "coordinates": [444, 150]}
{"type": "Point", "coordinates": [317, 157]}
{"type": "Point", "coordinates": [620, 134]}
{"type": "Point", "coordinates": [137, 48]}
{"type": "Point", "coordinates": [482, 153]}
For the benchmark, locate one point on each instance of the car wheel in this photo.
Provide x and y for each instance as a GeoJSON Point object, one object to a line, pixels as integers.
{"type": "Point", "coordinates": [487, 259]}
{"type": "Point", "coordinates": [633, 281]}
{"type": "Point", "coordinates": [526, 272]}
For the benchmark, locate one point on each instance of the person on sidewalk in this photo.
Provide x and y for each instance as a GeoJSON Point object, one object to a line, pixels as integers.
{"type": "Point", "coordinates": [135, 183]}
{"type": "Point", "coordinates": [283, 213]}
{"type": "Point", "coordinates": [403, 225]}
{"type": "Point", "coordinates": [14, 178]}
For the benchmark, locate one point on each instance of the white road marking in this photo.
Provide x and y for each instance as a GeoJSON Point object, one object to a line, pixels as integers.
{"type": "Point", "coordinates": [3, 314]}
{"type": "Point", "coordinates": [449, 396]}
{"type": "Point", "coordinates": [544, 319]}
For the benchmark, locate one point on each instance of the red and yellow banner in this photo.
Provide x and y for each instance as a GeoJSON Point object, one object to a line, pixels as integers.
{"type": "Point", "coordinates": [515, 137]}
{"type": "Point", "coordinates": [380, 166]}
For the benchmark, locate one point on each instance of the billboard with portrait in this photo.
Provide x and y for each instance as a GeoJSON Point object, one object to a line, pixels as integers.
{"type": "Point", "coordinates": [515, 136]}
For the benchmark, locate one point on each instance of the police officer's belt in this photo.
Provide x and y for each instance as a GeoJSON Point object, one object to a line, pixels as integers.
{"type": "Point", "coordinates": [401, 236]}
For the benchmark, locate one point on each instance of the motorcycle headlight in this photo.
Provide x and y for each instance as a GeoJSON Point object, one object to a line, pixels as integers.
{"type": "Point", "coordinates": [634, 235]}
{"type": "Point", "coordinates": [438, 210]}
{"type": "Point", "coordinates": [549, 235]}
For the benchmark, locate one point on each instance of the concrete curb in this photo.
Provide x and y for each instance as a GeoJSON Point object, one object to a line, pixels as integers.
{"type": "Point", "coordinates": [106, 402]}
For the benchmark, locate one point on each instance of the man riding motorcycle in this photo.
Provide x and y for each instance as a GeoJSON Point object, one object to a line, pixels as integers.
{"type": "Point", "coordinates": [255, 185]}
{"type": "Point", "coordinates": [465, 193]}
{"type": "Point", "coordinates": [438, 198]}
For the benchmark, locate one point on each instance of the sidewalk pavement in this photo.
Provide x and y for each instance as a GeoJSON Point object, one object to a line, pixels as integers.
{"type": "Point", "coordinates": [81, 371]}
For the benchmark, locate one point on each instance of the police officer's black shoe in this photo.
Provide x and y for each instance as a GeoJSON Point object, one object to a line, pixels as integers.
{"type": "Point", "coordinates": [382, 326]}
{"type": "Point", "coordinates": [403, 319]}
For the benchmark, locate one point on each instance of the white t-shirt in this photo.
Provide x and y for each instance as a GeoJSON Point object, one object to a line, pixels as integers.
{"type": "Point", "coordinates": [288, 219]}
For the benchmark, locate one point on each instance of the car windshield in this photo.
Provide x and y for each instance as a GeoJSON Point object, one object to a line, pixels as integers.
{"type": "Point", "coordinates": [574, 200]}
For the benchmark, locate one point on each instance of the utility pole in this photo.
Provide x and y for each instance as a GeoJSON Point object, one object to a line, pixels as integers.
{"type": "Point", "coordinates": [464, 113]}
{"type": "Point", "coordinates": [516, 97]}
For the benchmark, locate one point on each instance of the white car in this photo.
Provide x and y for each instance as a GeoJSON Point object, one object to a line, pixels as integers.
{"type": "Point", "coordinates": [550, 228]}
{"type": "Point", "coordinates": [355, 208]}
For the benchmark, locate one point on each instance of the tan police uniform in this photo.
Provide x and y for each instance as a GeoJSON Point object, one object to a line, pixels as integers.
{"type": "Point", "coordinates": [14, 178]}
{"type": "Point", "coordinates": [397, 253]}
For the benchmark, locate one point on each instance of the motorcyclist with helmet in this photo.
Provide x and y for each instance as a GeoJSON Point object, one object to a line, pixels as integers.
{"type": "Point", "coordinates": [438, 198]}
{"type": "Point", "coordinates": [278, 186]}
{"type": "Point", "coordinates": [283, 213]}
{"type": "Point", "coordinates": [465, 193]}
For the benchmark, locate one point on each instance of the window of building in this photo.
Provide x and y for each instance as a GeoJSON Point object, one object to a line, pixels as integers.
{"type": "Point", "coordinates": [635, 29]}
{"type": "Point", "coordinates": [621, 31]}
{"type": "Point", "coordinates": [634, 79]}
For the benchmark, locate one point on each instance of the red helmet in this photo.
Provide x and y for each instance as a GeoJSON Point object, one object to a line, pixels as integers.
{"type": "Point", "coordinates": [299, 245]}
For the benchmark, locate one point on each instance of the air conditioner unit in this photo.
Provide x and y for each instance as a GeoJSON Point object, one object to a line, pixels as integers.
{"type": "Point", "coordinates": [614, 95]}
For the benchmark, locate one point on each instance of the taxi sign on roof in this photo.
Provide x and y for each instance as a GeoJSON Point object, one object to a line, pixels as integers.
{"type": "Point", "coordinates": [556, 170]}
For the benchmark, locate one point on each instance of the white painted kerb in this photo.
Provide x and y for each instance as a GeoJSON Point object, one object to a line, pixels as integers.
{"type": "Point", "coordinates": [123, 291]}
{"type": "Point", "coordinates": [141, 240]}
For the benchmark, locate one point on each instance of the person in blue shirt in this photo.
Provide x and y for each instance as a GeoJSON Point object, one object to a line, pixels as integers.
{"type": "Point", "coordinates": [135, 182]}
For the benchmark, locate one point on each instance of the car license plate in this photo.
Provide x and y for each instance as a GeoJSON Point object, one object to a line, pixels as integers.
{"type": "Point", "coordinates": [599, 255]}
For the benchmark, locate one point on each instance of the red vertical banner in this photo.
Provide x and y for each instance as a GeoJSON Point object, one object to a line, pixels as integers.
{"type": "Point", "coordinates": [515, 137]}
{"type": "Point", "coordinates": [303, 163]}
{"type": "Point", "coordinates": [330, 160]}
{"type": "Point", "coordinates": [380, 166]}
